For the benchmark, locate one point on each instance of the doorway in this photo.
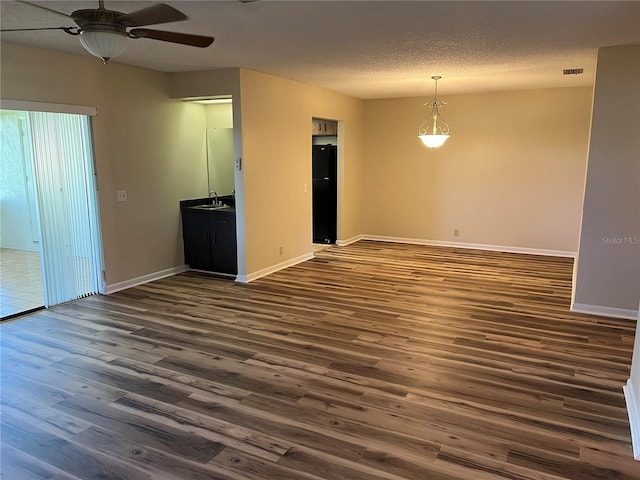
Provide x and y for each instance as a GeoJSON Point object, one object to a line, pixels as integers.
{"type": "Point", "coordinates": [21, 285]}
{"type": "Point", "coordinates": [50, 249]}
{"type": "Point", "coordinates": [324, 180]}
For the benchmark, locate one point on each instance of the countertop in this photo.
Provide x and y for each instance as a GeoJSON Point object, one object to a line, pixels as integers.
{"type": "Point", "coordinates": [192, 205]}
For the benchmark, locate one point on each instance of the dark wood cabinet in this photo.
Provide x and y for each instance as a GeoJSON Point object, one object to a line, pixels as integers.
{"type": "Point", "coordinates": [223, 242]}
{"type": "Point", "coordinates": [210, 240]}
{"type": "Point", "coordinates": [196, 235]}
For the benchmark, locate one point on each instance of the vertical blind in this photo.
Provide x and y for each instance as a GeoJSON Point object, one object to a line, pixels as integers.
{"type": "Point", "coordinates": [65, 184]}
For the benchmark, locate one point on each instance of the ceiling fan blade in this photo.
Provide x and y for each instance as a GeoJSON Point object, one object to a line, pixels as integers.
{"type": "Point", "coordinates": [44, 8]}
{"type": "Point", "coordinates": [33, 29]}
{"type": "Point", "coordinates": [173, 37]}
{"type": "Point", "coordinates": [153, 15]}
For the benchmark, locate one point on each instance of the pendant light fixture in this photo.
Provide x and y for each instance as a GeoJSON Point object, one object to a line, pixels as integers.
{"type": "Point", "coordinates": [434, 131]}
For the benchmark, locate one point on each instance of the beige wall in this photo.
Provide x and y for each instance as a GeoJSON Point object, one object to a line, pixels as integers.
{"type": "Point", "coordinates": [209, 83]}
{"type": "Point", "coordinates": [511, 174]}
{"type": "Point", "coordinates": [219, 115]}
{"type": "Point", "coordinates": [276, 137]}
{"type": "Point", "coordinates": [144, 143]}
{"type": "Point", "coordinates": [272, 135]}
{"type": "Point", "coordinates": [608, 265]}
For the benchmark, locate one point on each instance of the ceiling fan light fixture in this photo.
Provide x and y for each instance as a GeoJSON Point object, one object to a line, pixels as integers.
{"type": "Point", "coordinates": [434, 131]}
{"type": "Point", "coordinates": [104, 33]}
{"type": "Point", "coordinates": [104, 44]}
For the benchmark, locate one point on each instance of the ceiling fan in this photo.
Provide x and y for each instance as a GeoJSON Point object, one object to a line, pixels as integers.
{"type": "Point", "coordinates": [104, 33]}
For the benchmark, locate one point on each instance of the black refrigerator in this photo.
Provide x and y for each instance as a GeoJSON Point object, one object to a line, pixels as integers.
{"type": "Point", "coordinates": [325, 193]}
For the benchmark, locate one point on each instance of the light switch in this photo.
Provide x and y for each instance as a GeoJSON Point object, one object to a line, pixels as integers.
{"type": "Point", "coordinates": [122, 195]}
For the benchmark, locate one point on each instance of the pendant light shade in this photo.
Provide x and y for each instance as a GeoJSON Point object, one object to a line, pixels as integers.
{"type": "Point", "coordinates": [104, 44]}
{"type": "Point", "coordinates": [433, 141]}
{"type": "Point", "coordinates": [434, 131]}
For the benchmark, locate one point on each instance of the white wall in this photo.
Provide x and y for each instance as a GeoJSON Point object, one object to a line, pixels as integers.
{"type": "Point", "coordinates": [607, 274]}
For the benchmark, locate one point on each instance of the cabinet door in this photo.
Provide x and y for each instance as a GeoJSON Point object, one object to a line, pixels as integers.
{"type": "Point", "coordinates": [224, 245]}
{"type": "Point", "coordinates": [196, 234]}
{"type": "Point", "coordinates": [331, 128]}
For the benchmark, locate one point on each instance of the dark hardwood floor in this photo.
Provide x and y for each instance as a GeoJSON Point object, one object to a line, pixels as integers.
{"type": "Point", "coordinates": [372, 361]}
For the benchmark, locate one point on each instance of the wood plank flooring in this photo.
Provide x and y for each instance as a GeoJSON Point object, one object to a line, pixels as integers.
{"type": "Point", "coordinates": [372, 361]}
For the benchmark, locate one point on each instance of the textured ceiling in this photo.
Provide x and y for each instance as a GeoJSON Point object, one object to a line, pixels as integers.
{"type": "Point", "coordinates": [370, 49]}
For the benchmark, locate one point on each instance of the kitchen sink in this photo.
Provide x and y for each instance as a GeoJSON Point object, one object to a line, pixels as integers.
{"type": "Point", "coordinates": [211, 207]}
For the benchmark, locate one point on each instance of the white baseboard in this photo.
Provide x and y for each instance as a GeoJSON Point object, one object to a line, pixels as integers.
{"type": "Point", "coordinates": [473, 246]}
{"type": "Point", "coordinates": [349, 241]}
{"type": "Point", "coordinates": [250, 277]}
{"type": "Point", "coordinates": [604, 311]}
{"type": "Point", "coordinates": [633, 410]}
{"type": "Point", "coordinates": [116, 287]}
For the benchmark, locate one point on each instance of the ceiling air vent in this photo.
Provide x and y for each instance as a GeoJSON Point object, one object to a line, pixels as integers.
{"type": "Point", "coordinates": [572, 71]}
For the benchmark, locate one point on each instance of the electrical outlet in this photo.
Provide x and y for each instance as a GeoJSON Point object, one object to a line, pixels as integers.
{"type": "Point", "coordinates": [122, 195]}
{"type": "Point", "coordinates": [305, 188]}
{"type": "Point", "coordinates": [281, 250]}
{"type": "Point", "coordinates": [456, 233]}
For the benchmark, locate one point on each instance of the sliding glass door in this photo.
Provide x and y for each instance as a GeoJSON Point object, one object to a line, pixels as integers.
{"type": "Point", "coordinates": [60, 154]}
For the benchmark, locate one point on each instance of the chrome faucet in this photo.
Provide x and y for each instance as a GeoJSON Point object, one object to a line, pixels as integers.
{"type": "Point", "coordinates": [215, 197]}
